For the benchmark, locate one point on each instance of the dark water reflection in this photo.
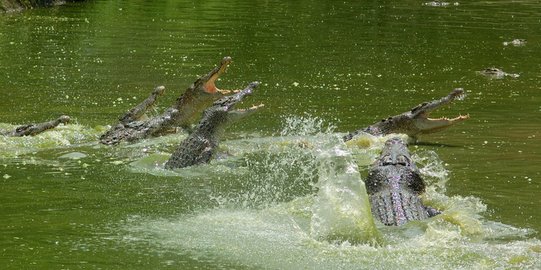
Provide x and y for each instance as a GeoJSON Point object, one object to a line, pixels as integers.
{"type": "Point", "coordinates": [349, 63]}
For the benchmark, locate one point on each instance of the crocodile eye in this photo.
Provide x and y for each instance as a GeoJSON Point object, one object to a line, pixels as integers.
{"type": "Point", "coordinates": [402, 160]}
{"type": "Point", "coordinates": [387, 160]}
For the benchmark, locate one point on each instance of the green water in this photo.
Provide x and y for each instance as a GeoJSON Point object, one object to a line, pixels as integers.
{"type": "Point", "coordinates": [275, 198]}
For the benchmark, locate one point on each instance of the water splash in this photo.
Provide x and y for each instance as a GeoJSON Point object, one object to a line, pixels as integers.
{"type": "Point", "coordinates": [365, 147]}
{"type": "Point", "coordinates": [281, 168]}
{"type": "Point", "coordinates": [341, 211]}
{"type": "Point", "coordinates": [300, 198]}
{"type": "Point", "coordinates": [305, 125]}
{"type": "Point", "coordinates": [255, 238]}
{"type": "Point", "coordinates": [432, 169]}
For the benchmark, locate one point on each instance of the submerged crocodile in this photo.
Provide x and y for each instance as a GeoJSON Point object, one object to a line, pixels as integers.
{"type": "Point", "coordinates": [133, 126]}
{"type": "Point", "coordinates": [416, 121]}
{"type": "Point", "coordinates": [19, 5]}
{"type": "Point", "coordinates": [518, 42]}
{"type": "Point", "coordinates": [496, 73]}
{"type": "Point", "coordinates": [394, 186]}
{"type": "Point", "coordinates": [34, 129]}
{"type": "Point", "coordinates": [201, 144]}
{"type": "Point", "coordinates": [439, 4]}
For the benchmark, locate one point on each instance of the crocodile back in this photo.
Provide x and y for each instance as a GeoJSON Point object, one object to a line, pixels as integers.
{"type": "Point", "coordinates": [396, 207]}
{"type": "Point", "coordinates": [193, 150]}
{"type": "Point", "coordinates": [394, 185]}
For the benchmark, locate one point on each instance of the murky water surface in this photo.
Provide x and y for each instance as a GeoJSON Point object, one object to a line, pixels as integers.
{"type": "Point", "coordinates": [285, 192]}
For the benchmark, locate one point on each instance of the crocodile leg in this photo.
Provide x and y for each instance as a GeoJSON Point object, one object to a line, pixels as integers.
{"type": "Point", "coordinates": [432, 212]}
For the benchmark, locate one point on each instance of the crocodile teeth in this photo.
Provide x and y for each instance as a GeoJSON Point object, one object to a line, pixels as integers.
{"type": "Point", "coordinates": [461, 97]}
{"type": "Point", "coordinates": [460, 117]}
{"type": "Point", "coordinates": [254, 107]}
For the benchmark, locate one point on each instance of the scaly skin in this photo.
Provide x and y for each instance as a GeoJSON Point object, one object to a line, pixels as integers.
{"type": "Point", "coordinates": [133, 127]}
{"type": "Point", "coordinates": [137, 130]}
{"type": "Point", "coordinates": [138, 112]}
{"type": "Point", "coordinates": [34, 129]}
{"type": "Point", "coordinates": [394, 186]}
{"type": "Point", "coordinates": [416, 121]}
{"type": "Point", "coordinates": [201, 94]}
{"type": "Point", "coordinates": [201, 144]}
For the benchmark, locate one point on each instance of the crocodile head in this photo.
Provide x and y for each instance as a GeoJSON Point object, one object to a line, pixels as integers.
{"type": "Point", "coordinates": [201, 145]}
{"type": "Point", "coordinates": [416, 121]}
{"type": "Point", "coordinates": [423, 124]}
{"type": "Point", "coordinates": [395, 152]}
{"type": "Point", "coordinates": [395, 170]}
{"type": "Point", "coordinates": [207, 83]}
{"type": "Point", "coordinates": [223, 111]}
{"type": "Point", "coordinates": [200, 95]}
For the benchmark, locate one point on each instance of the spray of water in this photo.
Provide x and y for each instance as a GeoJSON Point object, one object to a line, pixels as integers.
{"type": "Point", "coordinates": [304, 126]}
{"type": "Point", "coordinates": [60, 137]}
{"type": "Point", "coordinates": [341, 211]}
{"type": "Point", "coordinates": [432, 168]}
{"type": "Point", "coordinates": [328, 225]}
{"type": "Point", "coordinates": [280, 169]}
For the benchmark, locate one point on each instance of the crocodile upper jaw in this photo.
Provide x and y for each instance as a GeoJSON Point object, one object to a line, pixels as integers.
{"type": "Point", "coordinates": [227, 104]}
{"type": "Point", "coordinates": [209, 80]}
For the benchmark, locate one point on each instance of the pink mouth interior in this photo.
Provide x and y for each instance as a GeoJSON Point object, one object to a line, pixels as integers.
{"type": "Point", "coordinates": [210, 87]}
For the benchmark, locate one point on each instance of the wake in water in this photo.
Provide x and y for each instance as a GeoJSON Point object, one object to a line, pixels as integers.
{"type": "Point", "coordinates": [300, 198]}
{"type": "Point", "coordinates": [63, 136]}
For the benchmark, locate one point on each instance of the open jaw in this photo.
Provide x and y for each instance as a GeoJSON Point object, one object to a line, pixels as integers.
{"type": "Point", "coordinates": [430, 125]}
{"type": "Point", "coordinates": [209, 85]}
{"type": "Point", "coordinates": [239, 113]}
{"type": "Point", "coordinates": [238, 98]}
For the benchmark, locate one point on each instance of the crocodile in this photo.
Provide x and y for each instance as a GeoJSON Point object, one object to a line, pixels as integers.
{"type": "Point", "coordinates": [416, 121]}
{"type": "Point", "coordinates": [34, 129]}
{"type": "Point", "coordinates": [135, 125]}
{"type": "Point", "coordinates": [19, 5]}
{"type": "Point", "coordinates": [394, 186]}
{"type": "Point", "coordinates": [518, 42]}
{"type": "Point", "coordinates": [438, 4]}
{"type": "Point", "coordinates": [200, 146]}
{"type": "Point", "coordinates": [496, 73]}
